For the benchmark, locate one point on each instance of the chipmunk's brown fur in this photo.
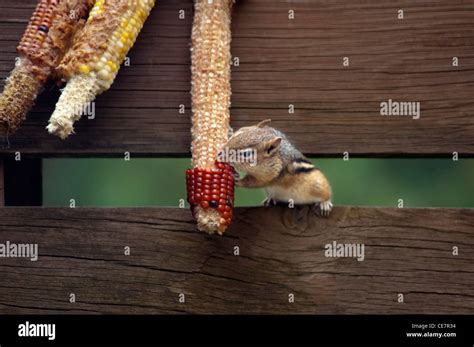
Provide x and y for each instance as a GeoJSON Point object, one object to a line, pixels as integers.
{"type": "Point", "coordinates": [278, 167]}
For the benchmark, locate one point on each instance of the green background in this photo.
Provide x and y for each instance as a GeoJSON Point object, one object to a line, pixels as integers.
{"type": "Point", "coordinates": [160, 182]}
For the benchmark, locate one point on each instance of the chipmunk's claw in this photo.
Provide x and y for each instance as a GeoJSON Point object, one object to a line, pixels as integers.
{"type": "Point", "coordinates": [237, 179]}
{"type": "Point", "coordinates": [269, 202]}
{"type": "Point", "coordinates": [236, 176]}
{"type": "Point", "coordinates": [230, 132]}
{"type": "Point", "coordinates": [323, 208]}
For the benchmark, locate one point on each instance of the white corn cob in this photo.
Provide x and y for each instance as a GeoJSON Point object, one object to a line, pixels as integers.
{"type": "Point", "coordinates": [93, 62]}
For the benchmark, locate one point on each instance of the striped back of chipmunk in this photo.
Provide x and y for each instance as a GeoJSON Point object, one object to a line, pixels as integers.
{"type": "Point", "coordinates": [301, 165]}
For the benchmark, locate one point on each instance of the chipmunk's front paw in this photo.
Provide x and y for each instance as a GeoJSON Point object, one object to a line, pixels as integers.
{"type": "Point", "coordinates": [323, 208]}
{"type": "Point", "coordinates": [237, 180]}
{"type": "Point", "coordinates": [269, 202]}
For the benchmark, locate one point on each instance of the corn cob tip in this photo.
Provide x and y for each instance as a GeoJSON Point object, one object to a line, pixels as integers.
{"type": "Point", "coordinates": [78, 93]}
{"type": "Point", "coordinates": [56, 127]}
{"type": "Point", "coordinates": [209, 221]}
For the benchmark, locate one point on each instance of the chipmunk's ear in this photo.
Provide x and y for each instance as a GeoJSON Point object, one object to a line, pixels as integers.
{"type": "Point", "coordinates": [263, 123]}
{"type": "Point", "coordinates": [272, 146]}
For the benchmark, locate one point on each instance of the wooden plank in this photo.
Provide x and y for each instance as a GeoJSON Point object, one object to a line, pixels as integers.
{"type": "Point", "coordinates": [81, 251]}
{"type": "Point", "coordinates": [23, 182]}
{"type": "Point", "coordinates": [284, 62]}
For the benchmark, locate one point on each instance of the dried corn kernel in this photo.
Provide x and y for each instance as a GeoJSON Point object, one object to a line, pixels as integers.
{"type": "Point", "coordinates": [37, 32]}
{"type": "Point", "coordinates": [93, 62]}
{"type": "Point", "coordinates": [210, 122]}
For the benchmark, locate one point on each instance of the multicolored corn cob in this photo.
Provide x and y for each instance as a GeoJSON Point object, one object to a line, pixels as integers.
{"type": "Point", "coordinates": [48, 36]}
{"type": "Point", "coordinates": [91, 65]}
{"type": "Point", "coordinates": [210, 184]}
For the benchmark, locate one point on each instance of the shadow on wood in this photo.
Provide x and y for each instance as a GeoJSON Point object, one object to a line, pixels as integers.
{"type": "Point", "coordinates": [81, 251]}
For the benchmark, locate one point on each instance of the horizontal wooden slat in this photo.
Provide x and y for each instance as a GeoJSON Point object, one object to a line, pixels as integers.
{"type": "Point", "coordinates": [284, 62]}
{"type": "Point", "coordinates": [81, 251]}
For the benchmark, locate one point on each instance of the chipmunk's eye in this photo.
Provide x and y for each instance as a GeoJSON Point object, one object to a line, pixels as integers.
{"type": "Point", "coordinates": [246, 153]}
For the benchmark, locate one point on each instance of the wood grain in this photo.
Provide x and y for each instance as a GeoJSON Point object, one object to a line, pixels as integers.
{"type": "Point", "coordinates": [283, 62]}
{"type": "Point", "coordinates": [81, 251]}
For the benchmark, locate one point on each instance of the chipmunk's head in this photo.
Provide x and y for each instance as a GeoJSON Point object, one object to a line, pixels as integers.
{"type": "Point", "coordinates": [255, 150]}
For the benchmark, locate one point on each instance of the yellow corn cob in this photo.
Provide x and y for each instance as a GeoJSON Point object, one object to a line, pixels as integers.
{"type": "Point", "coordinates": [211, 37]}
{"type": "Point", "coordinates": [45, 41]}
{"type": "Point", "coordinates": [91, 65]}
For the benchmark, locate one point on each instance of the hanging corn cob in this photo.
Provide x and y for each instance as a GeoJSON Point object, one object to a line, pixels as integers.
{"type": "Point", "coordinates": [210, 184]}
{"type": "Point", "coordinates": [91, 65]}
{"type": "Point", "coordinates": [48, 35]}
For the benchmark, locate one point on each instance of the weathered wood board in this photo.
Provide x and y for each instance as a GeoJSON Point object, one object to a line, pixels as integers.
{"type": "Point", "coordinates": [282, 252]}
{"type": "Point", "coordinates": [283, 62]}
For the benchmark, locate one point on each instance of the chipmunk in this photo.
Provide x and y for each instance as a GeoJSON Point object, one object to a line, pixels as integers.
{"type": "Point", "coordinates": [278, 167]}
